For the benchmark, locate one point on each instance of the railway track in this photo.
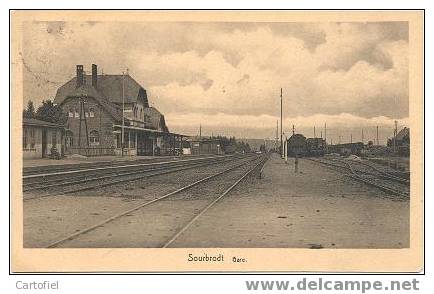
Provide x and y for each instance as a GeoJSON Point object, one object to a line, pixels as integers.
{"type": "Point", "coordinates": [370, 175]}
{"type": "Point", "coordinates": [78, 176]}
{"type": "Point", "coordinates": [208, 191]}
{"type": "Point", "coordinates": [108, 177]}
{"type": "Point", "coordinates": [61, 168]}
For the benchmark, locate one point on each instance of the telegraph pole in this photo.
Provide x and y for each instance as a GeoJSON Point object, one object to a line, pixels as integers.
{"type": "Point", "coordinates": [325, 136]}
{"type": "Point", "coordinates": [293, 130]}
{"type": "Point", "coordinates": [314, 132]}
{"type": "Point", "coordinates": [363, 138]}
{"type": "Point", "coordinates": [377, 137]}
{"type": "Point", "coordinates": [277, 134]}
{"type": "Point", "coordinates": [281, 121]}
{"type": "Point", "coordinates": [325, 132]}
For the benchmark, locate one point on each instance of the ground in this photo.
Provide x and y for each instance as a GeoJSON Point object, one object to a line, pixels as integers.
{"type": "Point", "coordinates": [315, 208]}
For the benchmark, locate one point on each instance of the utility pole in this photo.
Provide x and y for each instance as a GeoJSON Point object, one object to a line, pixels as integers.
{"type": "Point", "coordinates": [377, 137]}
{"type": "Point", "coordinates": [281, 121]}
{"type": "Point", "coordinates": [277, 134]}
{"type": "Point", "coordinates": [82, 118]}
{"type": "Point", "coordinates": [325, 136]}
{"type": "Point", "coordinates": [339, 139]}
{"type": "Point", "coordinates": [314, 132]}
{"type": "Point", "coordinates": [321, 134]}
{"type": "Point", "coordinates": [200, 131]}
{"type": "Point", "coordinates": [123, 113]}
{"type": "Point", "coordinates": [325, 132]}
{"type": "Point", "coordinates": [363, 138]}
{"type": "Point", "coordinates": [293, 130]}
{"type": "Point", "coordinates": [351, 138]}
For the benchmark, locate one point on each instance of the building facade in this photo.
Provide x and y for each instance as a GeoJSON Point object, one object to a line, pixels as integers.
{"type": "Point", "coordinates": [41, 139]}
{"type": "Point", "coordinates": [204, 145]}
{"type": "Point", "coordinates": [100, 108]}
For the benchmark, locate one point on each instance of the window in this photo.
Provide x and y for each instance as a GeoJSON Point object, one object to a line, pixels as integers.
{"type": "Point", "coordinates": [32, 138]}
{"type": "Point", "coordinates": [94, 137]}
{"type": "Point", "coordinates": [86, 114]}
{"type": "Point", "coordinates": [25, 138]}
{"type": "Point", "coordinates": [71, 112]}
{"type": "Point", "coordinates": [92, 112]}
{"type": "Point", "coordinates": [118, 140]}
{"type": "Point", "coordinates": [76, 115]}
{"type": "Point", "coordinates": [132, 139]}
{"type": "Point", "coordinates": [141, 114]}
{"type": "Point", "coordinates": [54, 138]}
{"type": "Point", "coordinates": [69, 139]}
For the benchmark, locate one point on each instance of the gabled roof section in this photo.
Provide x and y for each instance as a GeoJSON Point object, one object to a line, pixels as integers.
{"type": "Point", "coordinates": [157, 119]}
{"type": "Point", "coordinates": [89, 91]}
{"type": "Point", "coordinates": [109, 86]}
{"type": "Point", "coordinates": [37, 122]}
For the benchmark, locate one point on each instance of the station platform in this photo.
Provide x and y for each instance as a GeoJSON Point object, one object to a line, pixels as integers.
{"type": "Point", "coordinates": [316, 208]}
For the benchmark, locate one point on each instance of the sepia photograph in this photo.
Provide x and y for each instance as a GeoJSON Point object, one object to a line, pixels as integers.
{"type": "Point", "coordinates": [245, 140]}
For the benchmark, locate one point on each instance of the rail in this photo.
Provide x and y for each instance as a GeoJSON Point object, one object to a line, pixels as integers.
{"type": "Point", "coordinates": [128, 211]}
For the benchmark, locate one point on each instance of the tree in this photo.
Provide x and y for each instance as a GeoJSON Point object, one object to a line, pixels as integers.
{"type": "Point", "coordinates": [51, 113]}
{"type": "Point", "coordinates": [29, 112]}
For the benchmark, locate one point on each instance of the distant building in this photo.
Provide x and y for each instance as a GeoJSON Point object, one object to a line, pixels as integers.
{"type": "Point", "coordinates": [41, 139]}
{"type": "Point", "coordinates": [346, 148]}
{"type": "Point", "coordinates": [93, 105]}
{"type": "Point", "coordinates": [204, 145]}
{"type": "Point", "coordinates": [315, 146]}
{"type": "Point", "coordinates": [296, 145]}
{"type": "Point", "coordinates": [401, 142]}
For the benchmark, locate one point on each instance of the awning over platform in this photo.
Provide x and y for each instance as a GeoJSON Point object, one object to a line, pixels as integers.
{"type": "Point", "coordinates": [149, 131]}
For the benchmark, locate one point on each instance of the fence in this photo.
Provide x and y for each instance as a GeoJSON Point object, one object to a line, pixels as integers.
{"type": "Point", "coordinates": [91, 151]}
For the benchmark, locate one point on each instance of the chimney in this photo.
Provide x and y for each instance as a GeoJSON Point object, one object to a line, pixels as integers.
{"type": "Point", "coordinates": [94, 75]}
{"type": "Point", "coordinates": [80, 76]}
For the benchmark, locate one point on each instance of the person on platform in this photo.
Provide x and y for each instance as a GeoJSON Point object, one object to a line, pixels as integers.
{"type": "Point", "coordinates": [296, 164]}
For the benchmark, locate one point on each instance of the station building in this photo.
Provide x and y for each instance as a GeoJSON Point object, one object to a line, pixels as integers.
{"type": "Point", "coordinates": [94, 103]}
{"type": "Point", "coordinates": [41, 139]}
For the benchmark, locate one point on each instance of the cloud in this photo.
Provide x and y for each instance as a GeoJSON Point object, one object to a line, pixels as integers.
{"type": "Point", "coordinates": [234, 69]}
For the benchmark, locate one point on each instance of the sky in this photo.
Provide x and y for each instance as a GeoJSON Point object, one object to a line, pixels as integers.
{"type": "Point", "coordinates": [227, 76]}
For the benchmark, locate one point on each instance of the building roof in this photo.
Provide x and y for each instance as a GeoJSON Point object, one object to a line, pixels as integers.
{"type": "Point", "coordinates": [110, 86]}
{"type": "Point", "coordinates": [37, 122]}
{"type": "Point", "coordinates": [320, 140]}
{"type": "Point", "coordinates": [89, 91]}
{"type": "Point", "coordinates": [403, 133]}
{"type": "Point", "coordinates": [157, 119]}
{"type": "Point", "coordinates": [203, 139]}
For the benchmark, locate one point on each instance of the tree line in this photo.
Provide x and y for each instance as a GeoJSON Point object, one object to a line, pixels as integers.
{"type": "Point", "coordinates": [47, 111]}
{"type": "Point", "coordinates": [230, 144]}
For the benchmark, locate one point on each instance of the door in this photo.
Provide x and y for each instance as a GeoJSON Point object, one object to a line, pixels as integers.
{"type": "Point", "coordinates": [44, 143]}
